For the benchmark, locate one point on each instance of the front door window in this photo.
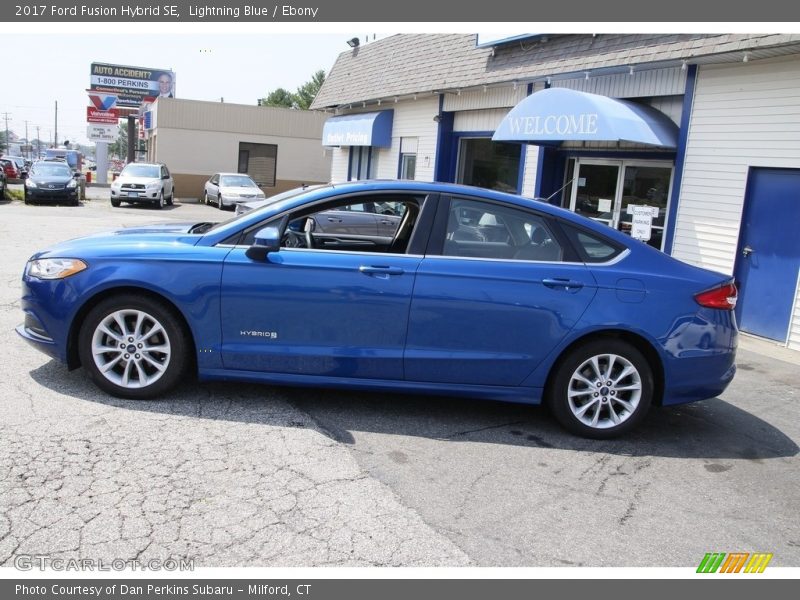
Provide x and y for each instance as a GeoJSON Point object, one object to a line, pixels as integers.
{"type": "Point", "coordinates": [606, 191]}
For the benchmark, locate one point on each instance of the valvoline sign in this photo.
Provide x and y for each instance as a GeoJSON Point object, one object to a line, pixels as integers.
{"type": "Point", "coordinates": [108, 117]}
{"type": "Point", "coordinates": [102, 101]}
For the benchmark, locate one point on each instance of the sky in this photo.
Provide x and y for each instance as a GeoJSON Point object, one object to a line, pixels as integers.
{"type": "Point", "coordinates": [239, 68]}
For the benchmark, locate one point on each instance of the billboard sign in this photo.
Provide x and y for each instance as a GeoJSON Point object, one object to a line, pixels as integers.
{"type": "Point", "coordinates": [132, 85]}
{"type": "Point", "coordinates": [101, 133]}
{"type": "Point", "coordinates": [107, 117]}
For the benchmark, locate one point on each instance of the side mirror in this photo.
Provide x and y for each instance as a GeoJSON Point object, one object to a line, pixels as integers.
{"type": "Point", "coordinates": [267, 240]}
{"type": "Point", "coordinates": [165, 177]}
{"type": "Point", "coordinates": [76, 175]}
{"type": "Point", "coordinates": [23, 175]}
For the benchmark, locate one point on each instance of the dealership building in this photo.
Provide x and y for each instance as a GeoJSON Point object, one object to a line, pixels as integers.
{"type": "Point", "coordinates": [278, 147]}
{"type": "Point", "coordinates": [702, 131]}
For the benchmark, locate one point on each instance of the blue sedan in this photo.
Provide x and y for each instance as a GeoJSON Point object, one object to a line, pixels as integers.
{"type": "Point", "coordinates": [469, 292]}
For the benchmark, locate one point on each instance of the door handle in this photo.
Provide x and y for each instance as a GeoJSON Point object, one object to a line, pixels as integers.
{"type": "Point", "coordinates": [567, 284]}
{"type": "Point", "coordinates": [747, 251]}
{"type": "Point", "coordinates": [333, 220]}
{"type": "Point", "coordinates": [380, 270]}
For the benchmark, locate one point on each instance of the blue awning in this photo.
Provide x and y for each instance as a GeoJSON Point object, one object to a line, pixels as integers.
{"type": "Point", "coordinates": [361, 129]}
{"type": "Point", "coordinates": [560, 114]}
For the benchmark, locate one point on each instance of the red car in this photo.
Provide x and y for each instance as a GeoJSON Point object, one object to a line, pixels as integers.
{"type": "Point", "coordinates": [10, 168]}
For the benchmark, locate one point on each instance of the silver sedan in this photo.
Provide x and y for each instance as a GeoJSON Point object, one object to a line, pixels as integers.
{"type": "Point", "coordinates": [226, 190]}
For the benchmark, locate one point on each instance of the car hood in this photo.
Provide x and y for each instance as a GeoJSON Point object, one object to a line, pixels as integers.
{"type": "Point", "coordinates": [140, 180]}
{"type": "Point", "coordinates": [45, 179]}
{"type": "Point", "coordinates": [248, 191]}
{"type": "Point", "coordinates": [143, 241]}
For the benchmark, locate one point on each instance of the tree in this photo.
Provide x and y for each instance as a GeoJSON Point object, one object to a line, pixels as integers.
{"type": "Point", "coordinates": [309, 90]}
{"type": "Point", "coordinates": [120, 147]}
{"type": "Point", "coordinates": [279, 97]}
{"type": "Point", "coordinates": [301, 99]}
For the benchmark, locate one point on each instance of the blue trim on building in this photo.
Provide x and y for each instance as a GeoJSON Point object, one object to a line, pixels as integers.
{"type": "Point", "coordinates": [537, 187]}
{"type": "Point", "coordinates": [680, 158]}
{"type": "Point", "coordinates": [442, 155]}
{"type": "Point", "coordinates": [350, 164]}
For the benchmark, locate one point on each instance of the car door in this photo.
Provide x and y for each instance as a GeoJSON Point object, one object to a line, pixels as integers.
{"type": "Point", "coordinates": [487, 311]}
{"type": "Point", "coordinates": [315, 311]}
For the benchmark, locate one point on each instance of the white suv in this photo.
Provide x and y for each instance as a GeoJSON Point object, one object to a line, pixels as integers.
{"type": "Point", "coordinates": [144, 182]}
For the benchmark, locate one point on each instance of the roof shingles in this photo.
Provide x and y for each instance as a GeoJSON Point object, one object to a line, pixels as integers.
{"type": "Point", "coordinates": [407, 64]}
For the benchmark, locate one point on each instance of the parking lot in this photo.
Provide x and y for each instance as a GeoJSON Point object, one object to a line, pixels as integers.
{"type": "Point", "coordinates": [246, 475]}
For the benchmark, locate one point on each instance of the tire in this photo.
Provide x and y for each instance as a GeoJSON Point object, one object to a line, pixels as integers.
{"type": "Point", "coordinates": [581, 399]}
{"type": "Point", "coordinates": [220, 205]}
{"type": "Point", "coordinates": [161, 203]}
{"type": "Point", "coordinates": [150, 324]}
{"type": "Point", "coordinates": [115, 202]}
{"type": "Point", "coordinates": [205, 198]}
{"type": "Point", "coordinates": [171, 197]}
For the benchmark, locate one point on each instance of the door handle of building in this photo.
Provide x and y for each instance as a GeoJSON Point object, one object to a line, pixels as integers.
{"type": "Point", "coordinates": [747, 251]}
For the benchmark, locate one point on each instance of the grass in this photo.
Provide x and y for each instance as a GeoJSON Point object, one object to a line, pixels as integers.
{"type": "Point", "coordinates": [15, 194]}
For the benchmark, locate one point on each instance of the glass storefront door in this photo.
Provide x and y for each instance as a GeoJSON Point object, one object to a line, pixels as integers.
{"type": "Point", "coordinates": [604, 191]}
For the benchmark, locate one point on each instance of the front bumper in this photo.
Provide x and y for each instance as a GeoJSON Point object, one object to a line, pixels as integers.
{"type": "Point", "coordinates": [48, 194]}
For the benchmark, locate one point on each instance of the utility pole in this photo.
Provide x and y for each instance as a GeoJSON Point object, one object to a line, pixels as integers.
{"type": "Point", "coordinates": [27, 142]}
{"type": "Point", "coordinates": [38, 143]}
{"type": "Point", "coordinates": [6, 116]}
{"type": "Point", "coordinates": [55, 143]}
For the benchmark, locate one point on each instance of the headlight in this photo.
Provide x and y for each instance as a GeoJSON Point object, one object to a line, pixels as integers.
{"type": "Point", "coordinates": [55, 268]}
{"type": "Point", "coordinates": [72, 184]}
{"type": "Point", "coordinates": [154, 185]}
{"type": "Point", "coordinates": [30, 183]}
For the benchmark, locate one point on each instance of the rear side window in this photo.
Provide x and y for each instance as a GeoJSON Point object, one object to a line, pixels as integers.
{"type": "Point", "coordinates": [592, 247]}
{"type": "Point", "coordinates": [477, 229]}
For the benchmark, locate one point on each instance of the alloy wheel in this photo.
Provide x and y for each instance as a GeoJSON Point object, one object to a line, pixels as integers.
{"type": "Point", "coordinates": [604, 391]}
{"type": "Point", "coordinates": [131, 348]}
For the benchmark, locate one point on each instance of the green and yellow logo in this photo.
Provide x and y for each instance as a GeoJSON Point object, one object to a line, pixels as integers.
{"type": "Point", "coordinates": [734, 562]}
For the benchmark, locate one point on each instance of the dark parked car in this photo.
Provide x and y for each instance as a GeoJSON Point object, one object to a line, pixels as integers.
{"type": "Point", "coordinates": [51, 181]}
{"type": "Point", "coordinates": [474, 293]}
{"type": "Point", "coordinates": [3, 183]}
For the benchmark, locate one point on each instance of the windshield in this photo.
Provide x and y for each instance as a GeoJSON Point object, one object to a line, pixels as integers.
{"type": "Point", "coordinates": [52, 170]}
{"type": "Point", "coordinates": [134, 170]}
{"type": "Point", "coordinates": [236, 181]}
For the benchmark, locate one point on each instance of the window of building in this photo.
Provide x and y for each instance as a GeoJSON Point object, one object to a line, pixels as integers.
{"type": "Point", "coordinates": [259, 161]}
{"type": "Point", "coordinates": [487, 164]}
{"type": "Point", "coordinates": [363, 163]}
{"type": "Point", "coordinates": [408, 157]}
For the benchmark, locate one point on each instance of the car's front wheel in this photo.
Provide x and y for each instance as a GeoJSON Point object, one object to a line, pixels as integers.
{"type": "Point", "coordinates": [602, 389]}
{"type": "Point", "coordinates": [134, 347]}
{"type": "Point", "coordinates": [161, 202]}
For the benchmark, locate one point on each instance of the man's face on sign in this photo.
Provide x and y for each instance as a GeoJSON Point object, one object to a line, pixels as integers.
{"type": "Point", "coordinates": [164, 84]}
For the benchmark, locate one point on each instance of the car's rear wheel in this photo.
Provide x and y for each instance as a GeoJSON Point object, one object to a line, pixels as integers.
{"type": "Point", "coordinates": [602, 389]}
{"type": "Point", "coordinates": [134, 347]}
{"type": "Point", "coordinates": [171, 198]}
{"type": "Point", "coordinates": [205, 198]}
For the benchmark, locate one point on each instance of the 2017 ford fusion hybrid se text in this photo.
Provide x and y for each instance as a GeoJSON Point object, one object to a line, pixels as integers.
{"type": "Point", "coordinates": [463, 291]}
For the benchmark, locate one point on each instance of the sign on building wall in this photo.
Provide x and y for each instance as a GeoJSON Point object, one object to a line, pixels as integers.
{"type": "Point", "coordinates": [132, 85]}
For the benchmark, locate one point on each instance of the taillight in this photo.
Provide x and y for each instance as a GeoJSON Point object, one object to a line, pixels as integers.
{"type": "Point", "coordinates": [723, 297]}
